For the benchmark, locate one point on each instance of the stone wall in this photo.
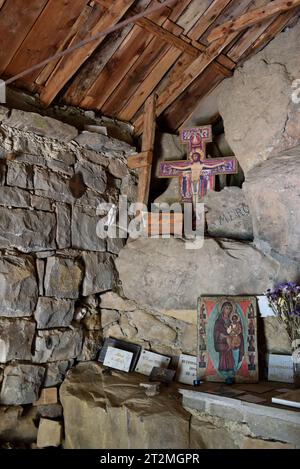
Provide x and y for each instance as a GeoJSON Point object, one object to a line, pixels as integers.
{"type": "Point", "coordinates": [52, 264]}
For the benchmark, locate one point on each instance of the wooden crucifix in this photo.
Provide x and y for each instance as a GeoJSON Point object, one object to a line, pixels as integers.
{"type": "Point", "coordinates": [197, 173]}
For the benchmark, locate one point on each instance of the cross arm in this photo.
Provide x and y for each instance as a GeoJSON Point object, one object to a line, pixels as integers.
{"type": "Point", "coordinates": [169, 169]}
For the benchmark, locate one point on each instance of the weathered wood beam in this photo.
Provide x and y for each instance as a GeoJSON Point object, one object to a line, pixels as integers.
{"type": "Point", "coordinates": [149, 59]}
{"type": "Point", "coordinates": [180, 83]}
{"type": "Point", "coordinates": [15, 23]}
{"type": "Point", "coordinates": [208, 17]}
{"type": "Point", "coordinates": [252, 17]}
{"type": "Point", "coordinates": [147, 146]}
{"type": "Point", "coordinates": [167, 36]}
{"type": "Point", "coordinates": [116, 70]}
{"type": "Point", "coordinates": [140, 160]}
{"type": "Point", "coordinates": [92, 68]}
{"type": "Point", "coordinates": [275, 27]}
{"type": "Point", "coordinates": [69, 66]}
{"type": "Point", "coordinates": [69, 40]}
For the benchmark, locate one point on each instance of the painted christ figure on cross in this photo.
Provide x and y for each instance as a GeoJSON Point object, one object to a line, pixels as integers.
{"type": "Point", "coordinates": [197, 174]}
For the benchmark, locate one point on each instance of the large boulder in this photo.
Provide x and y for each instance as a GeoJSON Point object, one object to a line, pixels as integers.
{"type": "Point", "coordinates": [273, 190]}
{"type": "Point", "coordinates": [257, 105]}
{"type": "Point", "coordinates": [228, 214]}
{"type": "Point", "coordinates": [112, 411]}
{"type": "Point", "coordinates": [166, 275]}
{"type": "Point", "coordinates": [18, 286]}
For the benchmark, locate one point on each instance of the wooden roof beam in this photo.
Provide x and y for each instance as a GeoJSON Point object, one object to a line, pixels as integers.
{"type": "Point", "coordinates": [252, 17]}
{"type": "Point", "coordinates": [179, 84]}
{"type": "Point", "coordinates": [167, 36]}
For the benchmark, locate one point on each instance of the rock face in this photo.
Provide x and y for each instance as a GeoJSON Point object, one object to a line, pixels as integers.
{"type": "Point", "coordinates": [119, 405]}
{"type": "Point", "coordinates": [84, 230]}
{"type": "Point", "coordinates": [16, 338]}
{"type": "Point", "coordinates": [54, 345]}
{"type": "Point", "coordinates": [99, 273]}
{"type": "Point", "coordinates": [51, 312]}
{"type": "Point", "coordinates": [228, 214]}
{"type": "Point", "coordinates": [103, 144]}
{"type": "Point", "coordinates": [55, 372]}
{"type": "Point", "coordinates": [170, 196]}
{"type": "Point", "coordinates": [21, 384]}
{"type": "Point", "coordinates": [18, 286]}
{"type": "Point", "coordinates": [273, 190]}
{"type": "Point", "coordinates": [257, 105]}
{"type": "Point", "coordinates": [40, 125]}
{"type": "Point", "coordinates": [26, 230]}
{"type": "Point", "coordinates": [62, 278]}
{"type": "Point", "coordinates": [166, 275]}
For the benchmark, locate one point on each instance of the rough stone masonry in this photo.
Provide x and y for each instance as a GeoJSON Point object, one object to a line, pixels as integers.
{"type": "Point", "coordinates": [52, 263]}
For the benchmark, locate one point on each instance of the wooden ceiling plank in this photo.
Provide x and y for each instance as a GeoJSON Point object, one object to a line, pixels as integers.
{"type": "Point", "coordinates": [208, 18]}
{"type": "Point", "coordinates": [131, 110]}
{"type": "Point", "coordinates": [240, 47]}
{"type": "Point", "coordinates": [178, 9]}
{"type": "Point", "coordinates": [67, 42]}
{"type": "Point", "coordinates": [192, 14]}
{"type": "Point", "coordinates": [93, 67]}
{"type": "Point", "coordinates": [70, 65]}
{"type": "Point", "coordinates": [221, 62]}
{"type": "Point", "coordinates": [116, 69]}
{"type": "Point", "coordinates": [185, 104]}
{"type": "Point", "coordinates": [118, 66]}
{"type": "Point", "coordinates": [275, 27]}
{"type": "Point", "coordinates": [179, 84]}
{"type": "Point", "coordinates": [234, 8]}
{"type": "Point", "coordinates": [253, 17]}
{"type": "Point", "coordinates": [166, 36]}
{"type": "Point", "coordinates": [244, 40]}
{"type": "Point", "coordinates": [151, 57]}
{"type": "Point", "coordinates": [149, 84]}
{"type": "Point", "coordinates": [45, 36]}
{"type": "Point", "coordinates": [16, 21]}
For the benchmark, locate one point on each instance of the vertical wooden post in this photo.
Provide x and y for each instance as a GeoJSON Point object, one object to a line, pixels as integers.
{"type": "Point", "coordinates": [147, 146]}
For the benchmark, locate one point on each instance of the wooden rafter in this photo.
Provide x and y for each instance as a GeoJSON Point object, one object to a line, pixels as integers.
{"type": "Point", "coordinates": [275, 27]}
{"type": "Point", "coordinates": [188, 75]}
{"type": "Point", "coordinates": [15, 24]}
{"type": "Point", "coordinates": [69, 66]}
{"type": "Point", "coordinates": [147, 146]}
{"type": "Point", "coordinates": [167, 36]}
{"type": "Point", "coordinates": [143, 161]}
{"type": "Point", "coordinates": [125, 57]}
{"type": "Point", "coordinates": [208, 17]}
{"type": "Point", "coordinates": [84, 80]}
{"type": "Point", "coordinates": [147, 61]}
{"type": "Point", "coordinates": [253, 17]}
{"type": "Point", "coordinates": [70, 39]}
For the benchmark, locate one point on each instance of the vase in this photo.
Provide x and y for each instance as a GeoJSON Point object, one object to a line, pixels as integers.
{"type": "Point", "coordinates": [296, 361]}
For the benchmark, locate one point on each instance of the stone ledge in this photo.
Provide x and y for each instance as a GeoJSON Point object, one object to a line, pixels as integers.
{"type": "Point", "coordinates": [261, 420]}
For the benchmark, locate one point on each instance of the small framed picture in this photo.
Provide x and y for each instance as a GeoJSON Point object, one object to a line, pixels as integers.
{"type": "Point", "coordinates": [227, 339]}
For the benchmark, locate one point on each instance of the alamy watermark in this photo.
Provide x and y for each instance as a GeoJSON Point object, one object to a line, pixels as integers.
{"type": "Point", "coordinates": [134, 221]}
